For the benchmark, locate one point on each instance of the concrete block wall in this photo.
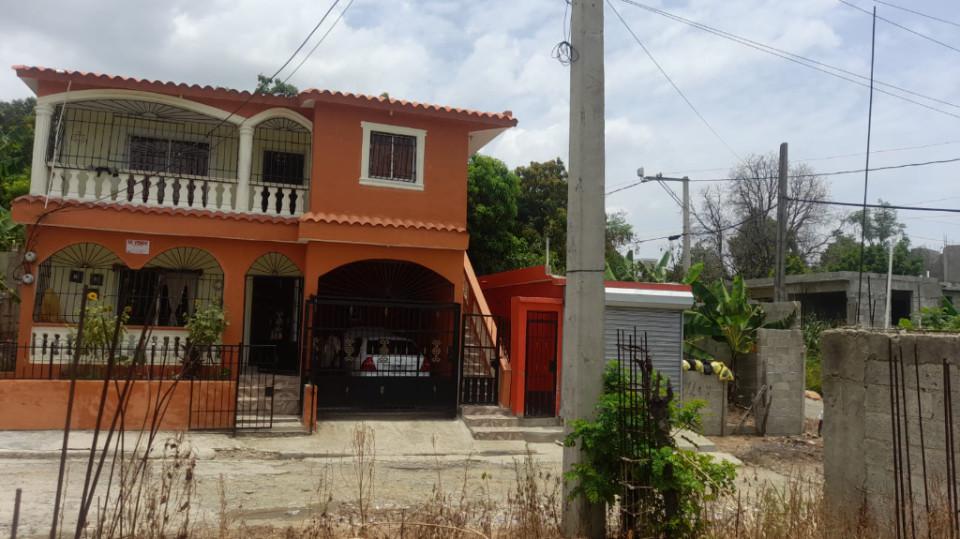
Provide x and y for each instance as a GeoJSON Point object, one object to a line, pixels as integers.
{"type": "Point", "coordinates": [858, 430]}
{"type": "Point", "coordinates": [780, 358]}
{"type": "Point", "coordinates": [778, 310]}
{"type": "Point", "coordinates": [713, 392]}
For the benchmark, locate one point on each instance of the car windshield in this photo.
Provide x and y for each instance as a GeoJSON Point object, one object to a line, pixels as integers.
{"type": "Point", "coordinates": [391, 346]}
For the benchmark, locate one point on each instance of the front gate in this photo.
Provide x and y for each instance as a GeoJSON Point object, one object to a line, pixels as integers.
{"type": "Point", "coordinates": [370, 355]}
{"type": "Point", "coordinates": [540, 376]}
{"type": "Point", "coordinates": [482, 346]}
{"type": "Point", "coordinates": [256, 380]}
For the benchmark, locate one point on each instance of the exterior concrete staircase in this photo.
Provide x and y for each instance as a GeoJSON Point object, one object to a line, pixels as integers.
{"type": "Point", "coordinates": [496, 423]}
{"type": "Point", "coordinates": [283, 425]}
{"type": "Point", "coordinates": [255, 408]}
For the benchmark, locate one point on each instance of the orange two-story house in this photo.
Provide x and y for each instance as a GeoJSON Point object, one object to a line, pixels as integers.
{"type": "Point", "coordinates": [328, 226]}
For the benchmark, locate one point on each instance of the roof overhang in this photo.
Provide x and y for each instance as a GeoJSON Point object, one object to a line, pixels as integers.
{"type": "Point", "coordinates": [648, 298]}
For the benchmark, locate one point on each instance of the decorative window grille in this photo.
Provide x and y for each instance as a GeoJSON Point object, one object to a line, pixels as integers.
{"type": "Point", "coordinates": [169, 156]}
{"type": "Point", "coordinates": [393, 157]}
{"type": "Point", "coordinates": [136, 136]}
{"type": "Point", "coordinates": [283, 167]}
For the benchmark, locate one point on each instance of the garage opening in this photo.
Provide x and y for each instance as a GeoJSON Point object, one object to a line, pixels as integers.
{"type": "Point", "coordinates": [384, 336]}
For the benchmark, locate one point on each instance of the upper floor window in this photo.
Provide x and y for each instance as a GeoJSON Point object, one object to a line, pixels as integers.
{"type": "Point", "coordinates": [283, 167]}
{"type": "Point", "coordinates": [168, 156]}
{"type": "Point", "coordinates": [392, 156]}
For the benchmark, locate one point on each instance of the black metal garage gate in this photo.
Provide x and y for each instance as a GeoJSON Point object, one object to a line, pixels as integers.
{"type": "Point", "coordinates": [371, 355]}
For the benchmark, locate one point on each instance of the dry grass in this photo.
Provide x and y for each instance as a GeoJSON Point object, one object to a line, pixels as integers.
{"type": "Point", "coordinates": [159, 502]}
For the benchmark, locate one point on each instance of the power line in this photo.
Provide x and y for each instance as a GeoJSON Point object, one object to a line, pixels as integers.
{"type": "Point", "coordinates": [806, 62]}
{"type": "Point", "coordinates": [673, 237]}
{"type": "Point", "coordinates": [808, 159]}
{"type": "Point", "coordinates": [64, 207]}
{"type": "Point", "coordinates": [317, 44]}
{"type": "Point", "coordinates": [811, 175]}
{"type": "Point", "coordinates": [908, 10]}
{"type": "Point", "coordinates": [670, 80]}
{"type": "Point", "coordinates": [902, 27]}
{"type": "Point", "coordinates": [880, 206]}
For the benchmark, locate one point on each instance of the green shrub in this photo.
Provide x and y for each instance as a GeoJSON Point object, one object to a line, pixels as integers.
{"type": "Point", "coordinates": [813, 328]}
{"type": "Point", "coordinates": [687, 478]}
{"type": "Point", "coordinates": [206, 325]}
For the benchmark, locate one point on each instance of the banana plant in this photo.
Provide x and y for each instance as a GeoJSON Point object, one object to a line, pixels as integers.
{"type": "Point", "coordinates": [725, 315]}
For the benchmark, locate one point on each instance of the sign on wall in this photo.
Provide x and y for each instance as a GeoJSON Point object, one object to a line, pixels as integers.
{"type": "Point", "coordinates": [138, 247]}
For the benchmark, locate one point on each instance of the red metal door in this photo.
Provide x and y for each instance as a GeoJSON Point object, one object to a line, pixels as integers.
{"type": "Point", "coordinates": [540, 380]}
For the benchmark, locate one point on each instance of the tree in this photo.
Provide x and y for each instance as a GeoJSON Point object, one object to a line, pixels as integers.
{"type": "Point", "coordinates": [16, 148]}
{"type": "Point", "coordinates": [492, 193]}
{"type": "Point", "coordinates": [542, 208]}
{"type": "Point", "coordinates": [269, 86]}
{"type": "Point", "coordinates": [738, 221]}
{"type": "Point", "coordinates": [882, 225]}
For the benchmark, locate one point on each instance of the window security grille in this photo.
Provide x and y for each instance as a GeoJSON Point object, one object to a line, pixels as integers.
{"type": "Point", "coordinates": [283, 167]}
{"type": "Point", "coordinates": [393, 157]}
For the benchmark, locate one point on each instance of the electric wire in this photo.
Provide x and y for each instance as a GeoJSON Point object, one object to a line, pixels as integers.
{"type": "Point", "coordinates": [817, 65]}
{"type": "Point", "coordinates": [319, 41]}
{"type": "Point", "coordinates": [811, 175]}
{"type": "Point", "coordinates": [65, 207]}
{"type": "Point", "coordinates": [671, 81]}
{"type": "Point", "coordinates": [809, 159]}
{"type": "Point", "coordinates": [902, 27]}
{"type": "Point", "coordinates": [915, 12]}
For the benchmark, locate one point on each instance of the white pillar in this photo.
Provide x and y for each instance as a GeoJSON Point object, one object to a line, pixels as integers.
{"type": "Point", "coordinates": [244, 162]}
{"type": "Point", "coordinates": [41, 137]}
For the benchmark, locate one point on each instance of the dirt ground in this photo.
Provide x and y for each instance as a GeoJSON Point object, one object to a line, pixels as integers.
{"type": "Point", "coordinates": [282, 482]}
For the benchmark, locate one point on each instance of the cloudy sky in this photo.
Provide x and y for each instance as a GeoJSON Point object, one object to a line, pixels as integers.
{"type": "Point", "coordinates": [496, 55]}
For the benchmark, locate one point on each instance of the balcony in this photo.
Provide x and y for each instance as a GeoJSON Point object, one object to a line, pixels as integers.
{"type": "Point", "coordinates": [153, 153]}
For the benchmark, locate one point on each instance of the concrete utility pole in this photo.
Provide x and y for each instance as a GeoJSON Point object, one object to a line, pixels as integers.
{"type": "Point", "coordinates": [686, 209]}
{"type": "Point", "coordinates": [780, 267]}
{"type": "Point", "coordinates": [686, 224]}
{"type": "Point", "coordinates": [887, 309]}
{"type": "Point", "coordinates": [583, 359]}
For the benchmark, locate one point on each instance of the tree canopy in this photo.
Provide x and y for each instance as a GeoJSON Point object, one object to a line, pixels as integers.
{"type": "Point", "coordinates": [737, 221]}
{"type": "Point", "coordinates": [882, 226]}
{"type": "Point", "coordinates": [511, 213]}
{"type": "Point", "coordinates": [267, 85]}
{"type": "Point", "coordinates": [16, 148]}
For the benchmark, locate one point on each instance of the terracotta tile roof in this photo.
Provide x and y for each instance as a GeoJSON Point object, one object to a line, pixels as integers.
{"type": "Point", "coordinates": [159, 210]}
{"type": "Point", "coordinates": [386, 222]}
{"type": "Point", "coordinates": [497, 119]}
{"type": "Point", "coordinates": [117, 81]}
{"type": "Point", "coordinates": [504, 118]}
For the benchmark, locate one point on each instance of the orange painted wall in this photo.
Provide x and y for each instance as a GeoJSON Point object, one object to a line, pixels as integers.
{"type": "Point", "coordinates": [42, 404]}
{"type": "Point", "coordinates": [337, 139]}
{"type": "Point", "coordinates": [234, 256]}
{"type": "Point", "coordinates": [520, 307]}
{"type": "Point", "coordinates": [322, 257]}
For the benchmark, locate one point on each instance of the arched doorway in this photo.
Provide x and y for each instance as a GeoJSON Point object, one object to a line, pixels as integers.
{"type": "Point", "coordinates": [274, 295]}
{"type": "Point", "coordinates": [384, 335]}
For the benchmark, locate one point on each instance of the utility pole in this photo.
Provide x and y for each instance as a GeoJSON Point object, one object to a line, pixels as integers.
{"type": "Point", "coordinates": [685, 205]}
{"type": "Point", "coordinates": [686, 224]}
{"type": "Point", "coordinates": [780, 266]}
{"type": "Point", "coordinates": [886, 311]}
{"type": "Point", "coordinates": [583, 359]}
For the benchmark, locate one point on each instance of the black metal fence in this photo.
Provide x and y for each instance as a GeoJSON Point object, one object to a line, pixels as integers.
{"type": "Point", "coordinates": [482, 348]}
{"type": "Point", "coordinates": [644, 400]}
{"type": "Point", "coordinates": [154, 360]}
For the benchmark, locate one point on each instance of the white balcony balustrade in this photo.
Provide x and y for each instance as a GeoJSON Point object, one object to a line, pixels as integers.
{"type": "Point", "coordinates": [196, 193]}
